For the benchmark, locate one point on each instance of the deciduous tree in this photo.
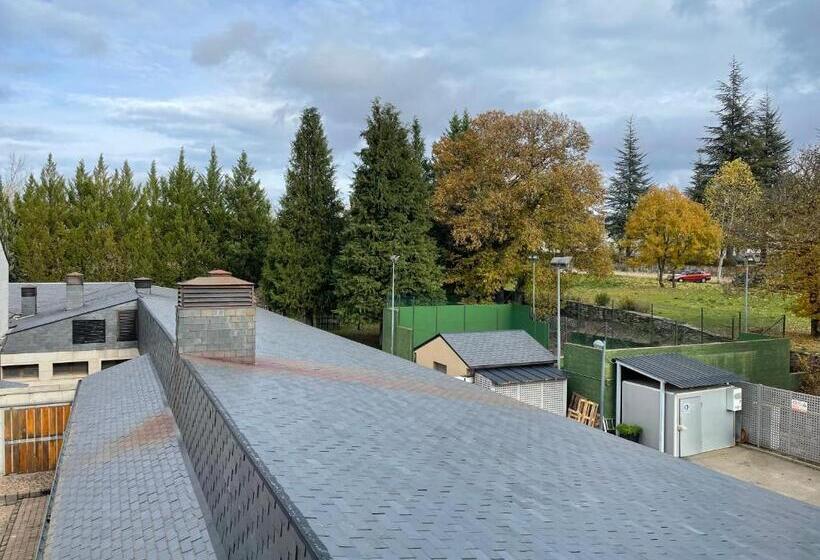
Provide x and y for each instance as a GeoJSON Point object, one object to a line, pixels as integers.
{"type": "Point", "coordinates": [733, 198]}
{"type": "Point", "coordinates": [510, 186]}
{"type": "Point", "coordinates": [669, 230]}
{"type": "Point", "coordinates": [298, 275]}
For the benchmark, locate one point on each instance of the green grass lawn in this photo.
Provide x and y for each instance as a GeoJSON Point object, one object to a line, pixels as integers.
{"type": "Point", "coordinates": [719, 302]}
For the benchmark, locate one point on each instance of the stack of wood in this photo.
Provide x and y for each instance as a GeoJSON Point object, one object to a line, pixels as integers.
{"type": "Point", "coordinates": [583, 410]}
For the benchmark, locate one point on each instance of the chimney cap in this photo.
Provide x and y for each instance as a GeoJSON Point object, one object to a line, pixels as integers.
{"type": "Point", "coordinates": [216, 278]}
{"type": "Point", "coordinates": [74, 278]}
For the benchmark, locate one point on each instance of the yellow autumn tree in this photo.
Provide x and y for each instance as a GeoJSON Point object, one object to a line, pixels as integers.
{"type": "Point", "coordinates": [509, 186]}
{"type": "Point", "coordinates": [668, 230]}
{"type": "Point", "coordinates": [732, 197]}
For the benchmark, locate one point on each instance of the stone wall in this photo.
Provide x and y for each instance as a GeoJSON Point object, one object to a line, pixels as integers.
{"type": "Point", "coordinates": [228, 334]}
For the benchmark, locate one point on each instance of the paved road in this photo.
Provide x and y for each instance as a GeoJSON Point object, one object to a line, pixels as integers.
{"type": "Point", "coordinates": [780, 475]}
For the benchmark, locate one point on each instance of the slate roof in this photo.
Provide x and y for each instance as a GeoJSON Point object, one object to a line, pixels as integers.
{"type": "Point", "coordinates": [51, 295]}
{"type": "Point", "coordinates": [124, 489]}
{"type": "Point", "coordinates": [521, 374]}
{"type": "Point", "coordinates": [497, 348]}
{"type": "Point", "coordinates": [101, 297]}
{"type": "Point", "coordinates": [679, 370]}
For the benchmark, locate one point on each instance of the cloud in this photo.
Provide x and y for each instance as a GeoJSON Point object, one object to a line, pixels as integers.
{"type": "Point", "coordinates": [240, 37]}
{"type": "Point", "coordinates": [51, 25]}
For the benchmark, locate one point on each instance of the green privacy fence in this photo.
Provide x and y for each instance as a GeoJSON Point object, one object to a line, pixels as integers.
{"type": "Point", "coordinates": [753, 357]}
{"type": "Point", "coordinates": [416, 324]}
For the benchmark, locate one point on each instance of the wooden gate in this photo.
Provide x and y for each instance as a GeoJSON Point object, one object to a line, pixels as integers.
{"type": "Point", "coordinates": [33, 437]}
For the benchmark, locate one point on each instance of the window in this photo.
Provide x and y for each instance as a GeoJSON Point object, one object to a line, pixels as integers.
{"type": "Point", "coordinates": [127, 325]}
{"type": "Point", "coordinates": [440, 367]}
{"type": "Point", "coordinates": [88, 331]}
{"type": "Point", "coordinates": [111, 363]}
{"type": "Point", "coordinates": [69, 369]}
{"type": "Point", "coordinates": [21, 372]}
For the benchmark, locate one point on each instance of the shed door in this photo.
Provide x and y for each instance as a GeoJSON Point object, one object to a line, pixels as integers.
{"type": "Point", "coordinates": [691, 436]}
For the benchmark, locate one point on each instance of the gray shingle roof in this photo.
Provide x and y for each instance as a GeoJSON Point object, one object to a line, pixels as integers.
{"type": "Point", "coordinates": [497, 348]}
{"type": "Point", "coordinates": [104, 296]}
{"type": "Point", "coordinates": [385, 459]}
{"type": "Point", "coordinates": [51, 295]}
{"type": "Point", "coordinates": [679, 370]}
{"type": "Point", "coordinates": [123, 487]}
{"type": "Point", "coordinates": [521, 374]}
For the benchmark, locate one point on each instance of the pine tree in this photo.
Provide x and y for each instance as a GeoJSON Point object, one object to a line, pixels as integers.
{"type": "Point", "coordinates": [732, 138]}
{"type": "Point", "coordinates": [458, 125]}
{"type": "Point", "coordinates": [212, 185]}
{"type": "Point", "coordinates": [42, 240]}
{"type": "Point", "coordinates": [298, 275]}
{"type": "Point", "coordinates": [772, 147]}
{"type": "Point", "coordinates": [388, 216]}
{"type": "Point", "coordinates": [247, 222]}
{"type": "Point", "coordinates": [420, 151]}
{"type": "Point", "coordinates": [130, 226]}
{"type": "Point", "coordinates": [631, 180]}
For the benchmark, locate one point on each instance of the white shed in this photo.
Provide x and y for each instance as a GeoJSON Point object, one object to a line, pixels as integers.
{"type": "Point", "coordinates": [684, 406]}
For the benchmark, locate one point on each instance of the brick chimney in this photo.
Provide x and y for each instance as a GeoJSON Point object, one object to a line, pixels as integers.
{"type": "Point", "coordinates": [28, 300]}
{"type": "Point", "coordinates": [143, 285]}
{"type": "Point", "coordinates": [73, 290]}
{"type": "Point", "coordinates": [216, 317]}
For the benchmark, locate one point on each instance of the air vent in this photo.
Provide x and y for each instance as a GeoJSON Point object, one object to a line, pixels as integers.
{"type": "Point", "coordinates": [217, 290]}
{"type": "Point", "coordinates": [127, 325]}
{"type": "Point", "coordinates": [88, 331]}
{"type": "Point", "coordinates": [28, 291]}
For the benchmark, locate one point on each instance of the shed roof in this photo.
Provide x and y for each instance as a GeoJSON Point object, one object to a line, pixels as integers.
{"type": "Point", "coordinates": [521, 374]}
{"type": "Point", "coordinates": [679, 370]}
{"type": "Point", "coordinates": [497, 348]}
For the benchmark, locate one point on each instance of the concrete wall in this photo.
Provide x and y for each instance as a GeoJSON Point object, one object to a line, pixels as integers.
{"type": "Point", "coordinates": [640, 405]}
{"type": "Point", "coordinates": [57, 336]}
{"type": "Point", "coordinates": [217, 333]}
{"type": "Point", "coordinates": [46, 360]}
{"type": "Point", "coordinates": [439, 351]}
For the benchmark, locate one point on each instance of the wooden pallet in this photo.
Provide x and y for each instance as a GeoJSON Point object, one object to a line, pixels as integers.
{"type": "Point", "coordinates": [583, 410]}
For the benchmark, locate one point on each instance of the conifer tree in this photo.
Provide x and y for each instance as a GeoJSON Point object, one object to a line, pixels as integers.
{"type": "Point", "coordinates": [41, 245]}
{"type": "Point", "coordinates": [458, 125]}
{"type": "Point", "coordinates": [388, 216]}
{"type": "Point", "coordinates": [630, 182]}
{"type": "Point", "coordinates": [93, 249]}
{"type": "Point", "coordinates": [247, 222]}
{"type": "Point", "coordinates": [420, 151]}
{"type": "Point", "coordinates": [130, 226]}
{"type": "Point", "coordinates": [772, 147]}
{"type": "Point", "coordinates": [8, 226]}
{"type": "Point", "coordinates": [298, 275]}
{"type": "Point", "coordinates": [733, 136]}
{"type": "Point", "coordinates": [212, 184]}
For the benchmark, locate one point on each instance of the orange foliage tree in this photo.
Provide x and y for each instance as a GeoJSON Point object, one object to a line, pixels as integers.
{"type": "Point", "coordinates": [514, 185]}
{"type": "Point", "coordinates": [668, 230]}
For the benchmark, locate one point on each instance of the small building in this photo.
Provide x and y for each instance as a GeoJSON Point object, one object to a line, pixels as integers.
{"type": "Point", "coordinates": [684, 406]}
{"type": "Point", "coordinates": [510, 362]}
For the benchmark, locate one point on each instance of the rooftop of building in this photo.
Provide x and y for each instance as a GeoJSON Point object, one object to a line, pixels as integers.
{"type": "Point", "coordinates": [384, 458]}
{"type": "Point", "coordinates": [497, 348]}
{"type": "Point", "coordinates": [125, 488]}
{"type": "Point", "coordinates": [679, 370]}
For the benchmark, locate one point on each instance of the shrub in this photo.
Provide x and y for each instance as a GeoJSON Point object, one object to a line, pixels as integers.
{"type": "Point", "coordinates": [628, 430]}
{"type": "Point", "coordinates": [602, 299]}
{"type": "Point", "coordinates": [629, 304]}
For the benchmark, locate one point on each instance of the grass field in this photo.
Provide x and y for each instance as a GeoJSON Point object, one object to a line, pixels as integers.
{"type": "Point", "coordinates": [720, 303]}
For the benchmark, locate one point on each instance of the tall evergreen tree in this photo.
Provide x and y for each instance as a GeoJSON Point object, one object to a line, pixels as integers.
{"type": "Point", "coordinates": [388, 216]}
{"type": "Point", "coordinates": [247, 222]}
{"type": "Point", "coordinates": [298, 275]}
{"type": "Point", "coordinates": [41, 245]}
{"type": "Point", "coordinates": [212, 185]}
{"type": "Point", "coordinates": [772, 146]}
{"type": "Point", "coordinates": [130, 226]}
{"type": "Point", "coordinates": [458, 125]}
{"type": "Point", "coordinates": [631, 180]}
{"type": "Point", "coordinates": [732, 138]}
{"type": "Point", "coordinates": [417, 141]}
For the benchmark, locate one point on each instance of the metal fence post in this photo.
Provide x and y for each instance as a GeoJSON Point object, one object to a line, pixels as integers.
{"type": "Point", "coordinates": [783, 333]}
{"type": "Point", "coordinates": [758, 426]}
{"type": "Point", "coordinates": [701, 325]}
{"type": "Point", "coordinates": [733, 327]}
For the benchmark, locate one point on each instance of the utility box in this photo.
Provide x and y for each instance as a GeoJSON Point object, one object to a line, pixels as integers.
{"type": "Point", "coordinates": [734, 399]}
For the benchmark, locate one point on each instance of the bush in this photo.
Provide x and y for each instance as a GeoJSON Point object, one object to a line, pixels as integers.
{"type": "Point", "coordinates": [602, 299]}
{"type": "Point", "coordinates": [628, 430]}
{"type": "Point", "coordinates": [629, 304]}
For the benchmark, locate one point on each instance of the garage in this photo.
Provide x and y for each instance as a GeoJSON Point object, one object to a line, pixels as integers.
{"type": "Point", "coordinates": [683, 406]}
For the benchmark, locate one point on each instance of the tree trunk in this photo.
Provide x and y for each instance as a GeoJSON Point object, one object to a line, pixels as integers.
{"type": "Point", "coordinates": [660, 275]}
{"type": "Point", "coordinates": [720, 265]}
{"type": "Point", "coordinates": [815, 327]}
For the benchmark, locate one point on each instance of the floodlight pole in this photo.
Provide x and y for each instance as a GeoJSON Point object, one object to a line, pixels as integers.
{"type": "Point", "coordinates": [558, 347]}
{"type": "Point", "coordinates": [601, 345]}
{"type": "Point", "coordinates": [393, 259]}
{"type": "Point", "coordinates": [746, 299]}
{"type": "Point", "coordinates": [534, 259]}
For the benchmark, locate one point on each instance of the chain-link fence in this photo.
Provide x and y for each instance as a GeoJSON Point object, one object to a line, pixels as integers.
{"type": "Point", "coordinates": [784, 421]}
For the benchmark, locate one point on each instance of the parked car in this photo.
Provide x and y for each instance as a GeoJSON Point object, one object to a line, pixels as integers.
{"type": "Point", "coordinates": [692, 276]}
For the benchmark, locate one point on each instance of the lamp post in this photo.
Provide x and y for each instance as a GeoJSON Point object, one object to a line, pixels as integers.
{"type": "Point", "coordinates": [533, 260]}
{"type": "Point", "coordinates": [393, 260]}
{"type": "Point", "coordinates": [601, 345]}
{"type": "Point", "coordinates": [748, 258]}
{"type": "Point", "coordinates": [559, 264]}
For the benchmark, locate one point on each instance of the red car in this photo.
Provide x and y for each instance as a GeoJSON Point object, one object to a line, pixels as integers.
{"type": "Point", "coordinates": [692, 276]}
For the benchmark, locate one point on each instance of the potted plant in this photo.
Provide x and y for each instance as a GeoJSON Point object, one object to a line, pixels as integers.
{"type": "Point", "coordinates": [629, 431]}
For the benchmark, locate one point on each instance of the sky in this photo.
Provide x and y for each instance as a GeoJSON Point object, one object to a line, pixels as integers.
{"type": "Point", "coordinates": [137, 80]}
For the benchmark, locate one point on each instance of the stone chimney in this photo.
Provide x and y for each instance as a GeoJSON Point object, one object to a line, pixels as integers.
{"type": "Point", "coordinates": [73, 290]}
{"type": "Point", "coordinates": [28, 300]}
{"type": "Point", "coordinates": [216, 318]}
{"type": "Point", "coordinates": [143, 285]}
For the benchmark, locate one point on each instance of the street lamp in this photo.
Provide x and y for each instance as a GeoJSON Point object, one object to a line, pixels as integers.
{"type": "Point", "coordinates": [601, 345]}
{"type": "Point", "coordinates": [749, 258]}
{"type": "Point", "coordinates": [393, 260]}
{"type": "Point", "coordinates": [559, 264]}
{"type": "Point", "coordinates": [533, 260]}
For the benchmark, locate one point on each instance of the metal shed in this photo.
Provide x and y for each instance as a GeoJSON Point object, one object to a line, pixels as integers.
{"type": "Point", "coordinates": [684, 406]}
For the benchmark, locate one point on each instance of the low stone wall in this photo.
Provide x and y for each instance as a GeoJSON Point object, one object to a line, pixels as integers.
{"type": "Point", "coordinates": [251, 518]}
{"type": "Point", "coordinates": [639, 328]}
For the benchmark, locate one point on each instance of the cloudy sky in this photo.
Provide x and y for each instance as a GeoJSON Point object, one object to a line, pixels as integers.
{"type": "Point", "coordinates": [138, 79]}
